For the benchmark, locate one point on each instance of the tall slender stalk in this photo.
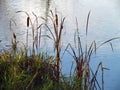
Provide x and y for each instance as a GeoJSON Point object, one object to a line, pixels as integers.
{"type": "Point", "coordinates": [31, 23]}
{"type": "Point", "coordinates": [27, 32]}
{"type": "Point", "coordinates": [57, 42]}
{"type": "Point", "coordinates": [56, 36]}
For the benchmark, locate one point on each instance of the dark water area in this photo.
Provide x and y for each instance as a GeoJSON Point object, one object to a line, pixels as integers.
{"type": "Point", "coordinates": [104, 24]}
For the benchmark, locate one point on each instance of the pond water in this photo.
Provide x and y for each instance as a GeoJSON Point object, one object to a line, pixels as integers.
{"type": "Point", "coordinates": [104, 24]}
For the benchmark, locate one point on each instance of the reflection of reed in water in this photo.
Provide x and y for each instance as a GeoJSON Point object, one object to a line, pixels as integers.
{"type": "Point", "coordinates": [47, 10]}
{"type": "Point", "coordinates": [48, 2]}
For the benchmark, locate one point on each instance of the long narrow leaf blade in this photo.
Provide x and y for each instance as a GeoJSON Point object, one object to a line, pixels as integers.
{"type": "Point", "coordinates": [87, 22]}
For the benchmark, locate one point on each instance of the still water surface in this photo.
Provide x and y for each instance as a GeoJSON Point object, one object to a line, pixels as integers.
{"type": "Point", "coordinates": [104, 24]}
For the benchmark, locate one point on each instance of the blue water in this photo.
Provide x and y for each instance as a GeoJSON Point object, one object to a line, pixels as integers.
{"type": "Point", "coordinates": [103, 25]}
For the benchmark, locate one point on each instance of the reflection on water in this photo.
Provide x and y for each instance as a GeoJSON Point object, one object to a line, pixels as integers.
{"type": "Point", "coordinates": [103, 25]}
{"type": "Point", "coordinates": [8, 10]}
{"type": "Point", "coordinates": [47, 7]}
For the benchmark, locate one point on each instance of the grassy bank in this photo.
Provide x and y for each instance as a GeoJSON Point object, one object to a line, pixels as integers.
{"type": "Point", "coordinates": [35, 72]}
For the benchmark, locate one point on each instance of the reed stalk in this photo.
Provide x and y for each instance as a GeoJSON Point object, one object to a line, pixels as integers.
{"type": "Point", "coordinates": [82, 57]}
{"type": "Point", "coordinates": [56, 36]}
{"type": "Point", "coordinates": [29, 22]}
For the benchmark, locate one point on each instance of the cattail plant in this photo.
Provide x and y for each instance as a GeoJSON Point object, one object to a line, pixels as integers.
{"type": "Point", "coordinates": [82, 57]}
{"type": "Point", "coordinates": [13, 36]}
{"type": "Point", "coordinates": [56, 36]}
{"type": "Point", "coordinates": [14, 43]}
{"type": "Point", "coordinates": [29, 22]}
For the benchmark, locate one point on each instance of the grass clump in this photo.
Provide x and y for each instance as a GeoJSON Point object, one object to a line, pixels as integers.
{"type": "Point", "coordinates": [34, 72]}
{"type": "Point", "coordinates": [24, 72]}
